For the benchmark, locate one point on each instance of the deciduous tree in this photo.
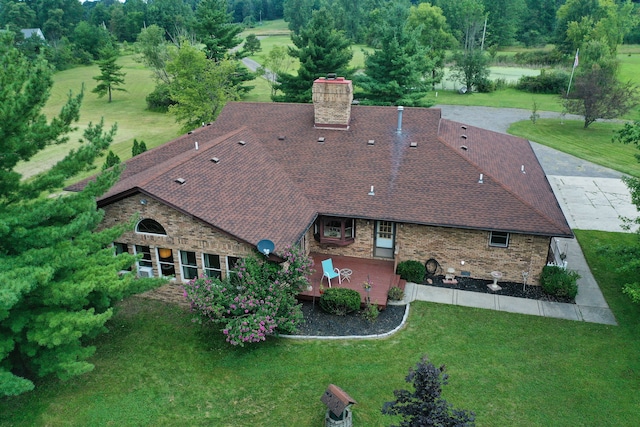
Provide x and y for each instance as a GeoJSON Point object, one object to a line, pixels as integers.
{"type": "Point", "coordinates": [424, 406]}
{"type": "Point", "coordinates": [200, 87]}
{"type": "Point", "coordinates": [58, 276]}
{"type": "Point", "coordinates": [276, 62]}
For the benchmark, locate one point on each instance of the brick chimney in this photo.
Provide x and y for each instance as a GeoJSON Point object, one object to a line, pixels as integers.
{"type": "Point", "coordinates": [332, 97]}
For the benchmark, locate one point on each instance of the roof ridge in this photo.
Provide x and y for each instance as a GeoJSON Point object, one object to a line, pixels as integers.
{"type": "Point", "coordinates": [499, 182]}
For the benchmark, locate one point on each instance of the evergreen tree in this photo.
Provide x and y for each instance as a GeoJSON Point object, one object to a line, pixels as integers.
{"type": "Point", "coordinates": [110, 76]}
{"type": "Point", "coordinates": [58, 277]}
{"type": "Point", "coordinates": [111, 160]}
{"type": "Point", "coordinates": [399, 72]}
{"type": "Point", "coordinates": [138, 147]}
{"type": "Point", "coordinates": [251, 44]}
{"type": "Point", "coordinates": [213, 27]}
{"type": "Point", "coordinates": [321, 49]}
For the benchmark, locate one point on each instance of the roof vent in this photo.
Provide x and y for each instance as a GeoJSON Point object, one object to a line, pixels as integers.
{"type": "Point", "coordinates": [481, 180]}
{"type": "Point", "coordinates": [242, 143]}
{"type": "Point", "coordinates": [321, 139]}
{"type": "Point", "coordinates": [463, 136]}
{"type": "Point", "coordinates": [464, 147]}
{"type": "Point", "coordinates": [413, 145]}
{"type": "Point", "coordinates": [281, 137]}
{"type": "Point", "coordinates": [180, 181]}
{"type": "Point", "coordinates": [463, 127]}
{"type": "Point", "coordinates": [522, 169]}
{"type": "Point", "coordinates": [372, 192]}
{"type": "Point", "coordinates": [215, 160]}
{"type": "Point", "coordinates": [371, 142]}
{"type": "Point", "coordinates": [196, 145]}
{"type": "Point", "coordinates": [190, 132]}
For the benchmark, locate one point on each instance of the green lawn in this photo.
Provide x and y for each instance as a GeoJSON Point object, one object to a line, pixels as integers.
{"type": "Point", "coordinates": [157, 368]}
{"type": "Point", "coordinates": [127, 110]}
{"type": "Point", "coordinates": [593, 144]}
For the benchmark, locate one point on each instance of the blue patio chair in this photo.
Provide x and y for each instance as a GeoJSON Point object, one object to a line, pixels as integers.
{"type": "Point", "coordinates": [330, 272]}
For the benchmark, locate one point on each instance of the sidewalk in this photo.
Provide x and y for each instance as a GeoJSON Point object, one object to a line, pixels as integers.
{"type": "Point", "coordinates": [590, 305]}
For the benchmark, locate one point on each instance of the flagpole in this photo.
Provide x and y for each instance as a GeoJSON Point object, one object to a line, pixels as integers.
{"type": "Point", "coordinates": [575, 64]}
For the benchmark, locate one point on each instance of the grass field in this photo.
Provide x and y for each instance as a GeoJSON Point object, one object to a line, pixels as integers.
{"type": "Point", "coordinates": [157, 368]}
{"type": "Point", "coordinates": [593, 144]}
{"type": "Point", "coordinates": [127, 110]}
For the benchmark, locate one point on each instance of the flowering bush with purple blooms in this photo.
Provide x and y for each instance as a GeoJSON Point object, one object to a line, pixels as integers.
{"type": "Point", "coordinates": [256, 300]}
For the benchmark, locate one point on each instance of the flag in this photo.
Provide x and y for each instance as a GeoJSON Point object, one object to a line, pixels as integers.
{"type": "Point", "coordinates": [575, 61]}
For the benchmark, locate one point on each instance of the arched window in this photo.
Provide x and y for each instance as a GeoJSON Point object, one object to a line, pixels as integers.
{"type": "Point", "coordinates": [150, 226]}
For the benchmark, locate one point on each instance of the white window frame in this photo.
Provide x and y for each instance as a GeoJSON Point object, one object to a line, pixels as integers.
{"type": "Point", "coordinates": [184, 268]}
{"type": "Point", "coordinates": [501, 235]}
{"type": "Point", "coordinates": [163, 233]}
{"type": "Point", "coordinates": [229, 264]}
{"type": "Point", "coordinates": [218, 271]}
{"type": "Point", "coordinates": [161, 263]}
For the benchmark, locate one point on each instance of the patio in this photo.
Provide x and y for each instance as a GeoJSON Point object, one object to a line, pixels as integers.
{"type": "Point", "coordinates": [381, 273]}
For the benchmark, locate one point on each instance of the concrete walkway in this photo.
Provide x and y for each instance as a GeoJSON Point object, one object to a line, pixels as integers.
{"type": "Point", "coordinates": [590, 305]}
{"type": "Point", "coordinates": [592, 198]}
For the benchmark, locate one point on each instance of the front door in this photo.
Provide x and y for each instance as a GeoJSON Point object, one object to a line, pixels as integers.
{"type": "Point", "coordinates": [384, 239]}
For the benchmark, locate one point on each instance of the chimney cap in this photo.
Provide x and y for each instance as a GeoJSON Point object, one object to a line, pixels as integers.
{"type": "Point", "coordinates": [331, 76]}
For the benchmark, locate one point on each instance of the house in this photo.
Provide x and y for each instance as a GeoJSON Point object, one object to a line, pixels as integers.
{"type": "Point", "coordinates": [30, 32]}
{"type": "Point", "coordinates": [383, 184]}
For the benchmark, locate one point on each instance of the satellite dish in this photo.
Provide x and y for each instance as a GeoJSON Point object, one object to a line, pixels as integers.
{"type": "Point", "coordinates": [266, 246]}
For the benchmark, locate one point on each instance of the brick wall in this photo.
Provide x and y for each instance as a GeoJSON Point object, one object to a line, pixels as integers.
{"type": "Point", "coordinates": [449, 247]}
{"type": "Point", "coordinates": [332, 101]}
{"type": "Point", "coordinates": [183, 233]}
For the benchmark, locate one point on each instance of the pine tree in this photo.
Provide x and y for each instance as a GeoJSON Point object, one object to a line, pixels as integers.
{"type": "Point", "coordinates": [214, 28]}
{"type": "Point", "coordinates": [138, 147]}
{"type": "Point", "coordinates": [110, 76]}
{"type": "Point", "coordinates": [58, 277]}
{"type": "Point", "coordinates": [111, 160]}
{"type": "Point", "coordinates": [321, 49]}
{"type": "Point", "coordinates": [399, 71]}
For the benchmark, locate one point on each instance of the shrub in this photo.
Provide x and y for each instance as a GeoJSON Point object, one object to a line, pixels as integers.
{"type": "Point", "coordinates": [340, 301]}
{"type": "Point", "coordinates": [160, 99]}
{"type": "Point", "coordinates": [559, 282]}
{"type": "Point", "coordinates": [485, 86]}
{"type": "Point", "coordinates": [553, 82]}
{"type": "Point", "coordinates": [256, 301]}
{"type": "Point", "coordinates": [539, 57]}
{"type": "Point", "coordinates": [371, 312]}
{"type": "Point", "coordinates": [396, 294]}
{"type": "Point", "coordinates": [411, 271]}
{"type": "Point", "coordinates": [424, 405]}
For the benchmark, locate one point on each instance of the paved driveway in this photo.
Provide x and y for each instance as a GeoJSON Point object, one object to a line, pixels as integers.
{"type": "Point", "coordinates": [592, 197]}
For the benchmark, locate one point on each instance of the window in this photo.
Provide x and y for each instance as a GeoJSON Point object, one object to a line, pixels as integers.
{"type": "Point", "coordinates": [150, 226]}
{"type": "Point", "coordinates": [146, 256]}
{"type": "Point", "coordinates": [121, 248]}
{"type": "Point", "coordinates": [212, 265]}
{"type": "Point", "coordinates": [339, 231]}
{"type": "Point", "coordinates": [189, 265]}
{"type": "Point", "coordinates": [499, 239]}
{"type": "Point", "coordinates": [165, 259]}
{"type": "Point", "coordinates": [231, 263]}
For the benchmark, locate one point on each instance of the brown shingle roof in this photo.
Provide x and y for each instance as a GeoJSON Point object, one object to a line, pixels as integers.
{"type": "Point", "coordinates": [274, 185]}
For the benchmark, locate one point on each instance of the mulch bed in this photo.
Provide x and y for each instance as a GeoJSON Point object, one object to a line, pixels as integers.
{"type": "Point", "coordinates": [512, 289]}
{"type": "Point", "coordinates": [319, 323]}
